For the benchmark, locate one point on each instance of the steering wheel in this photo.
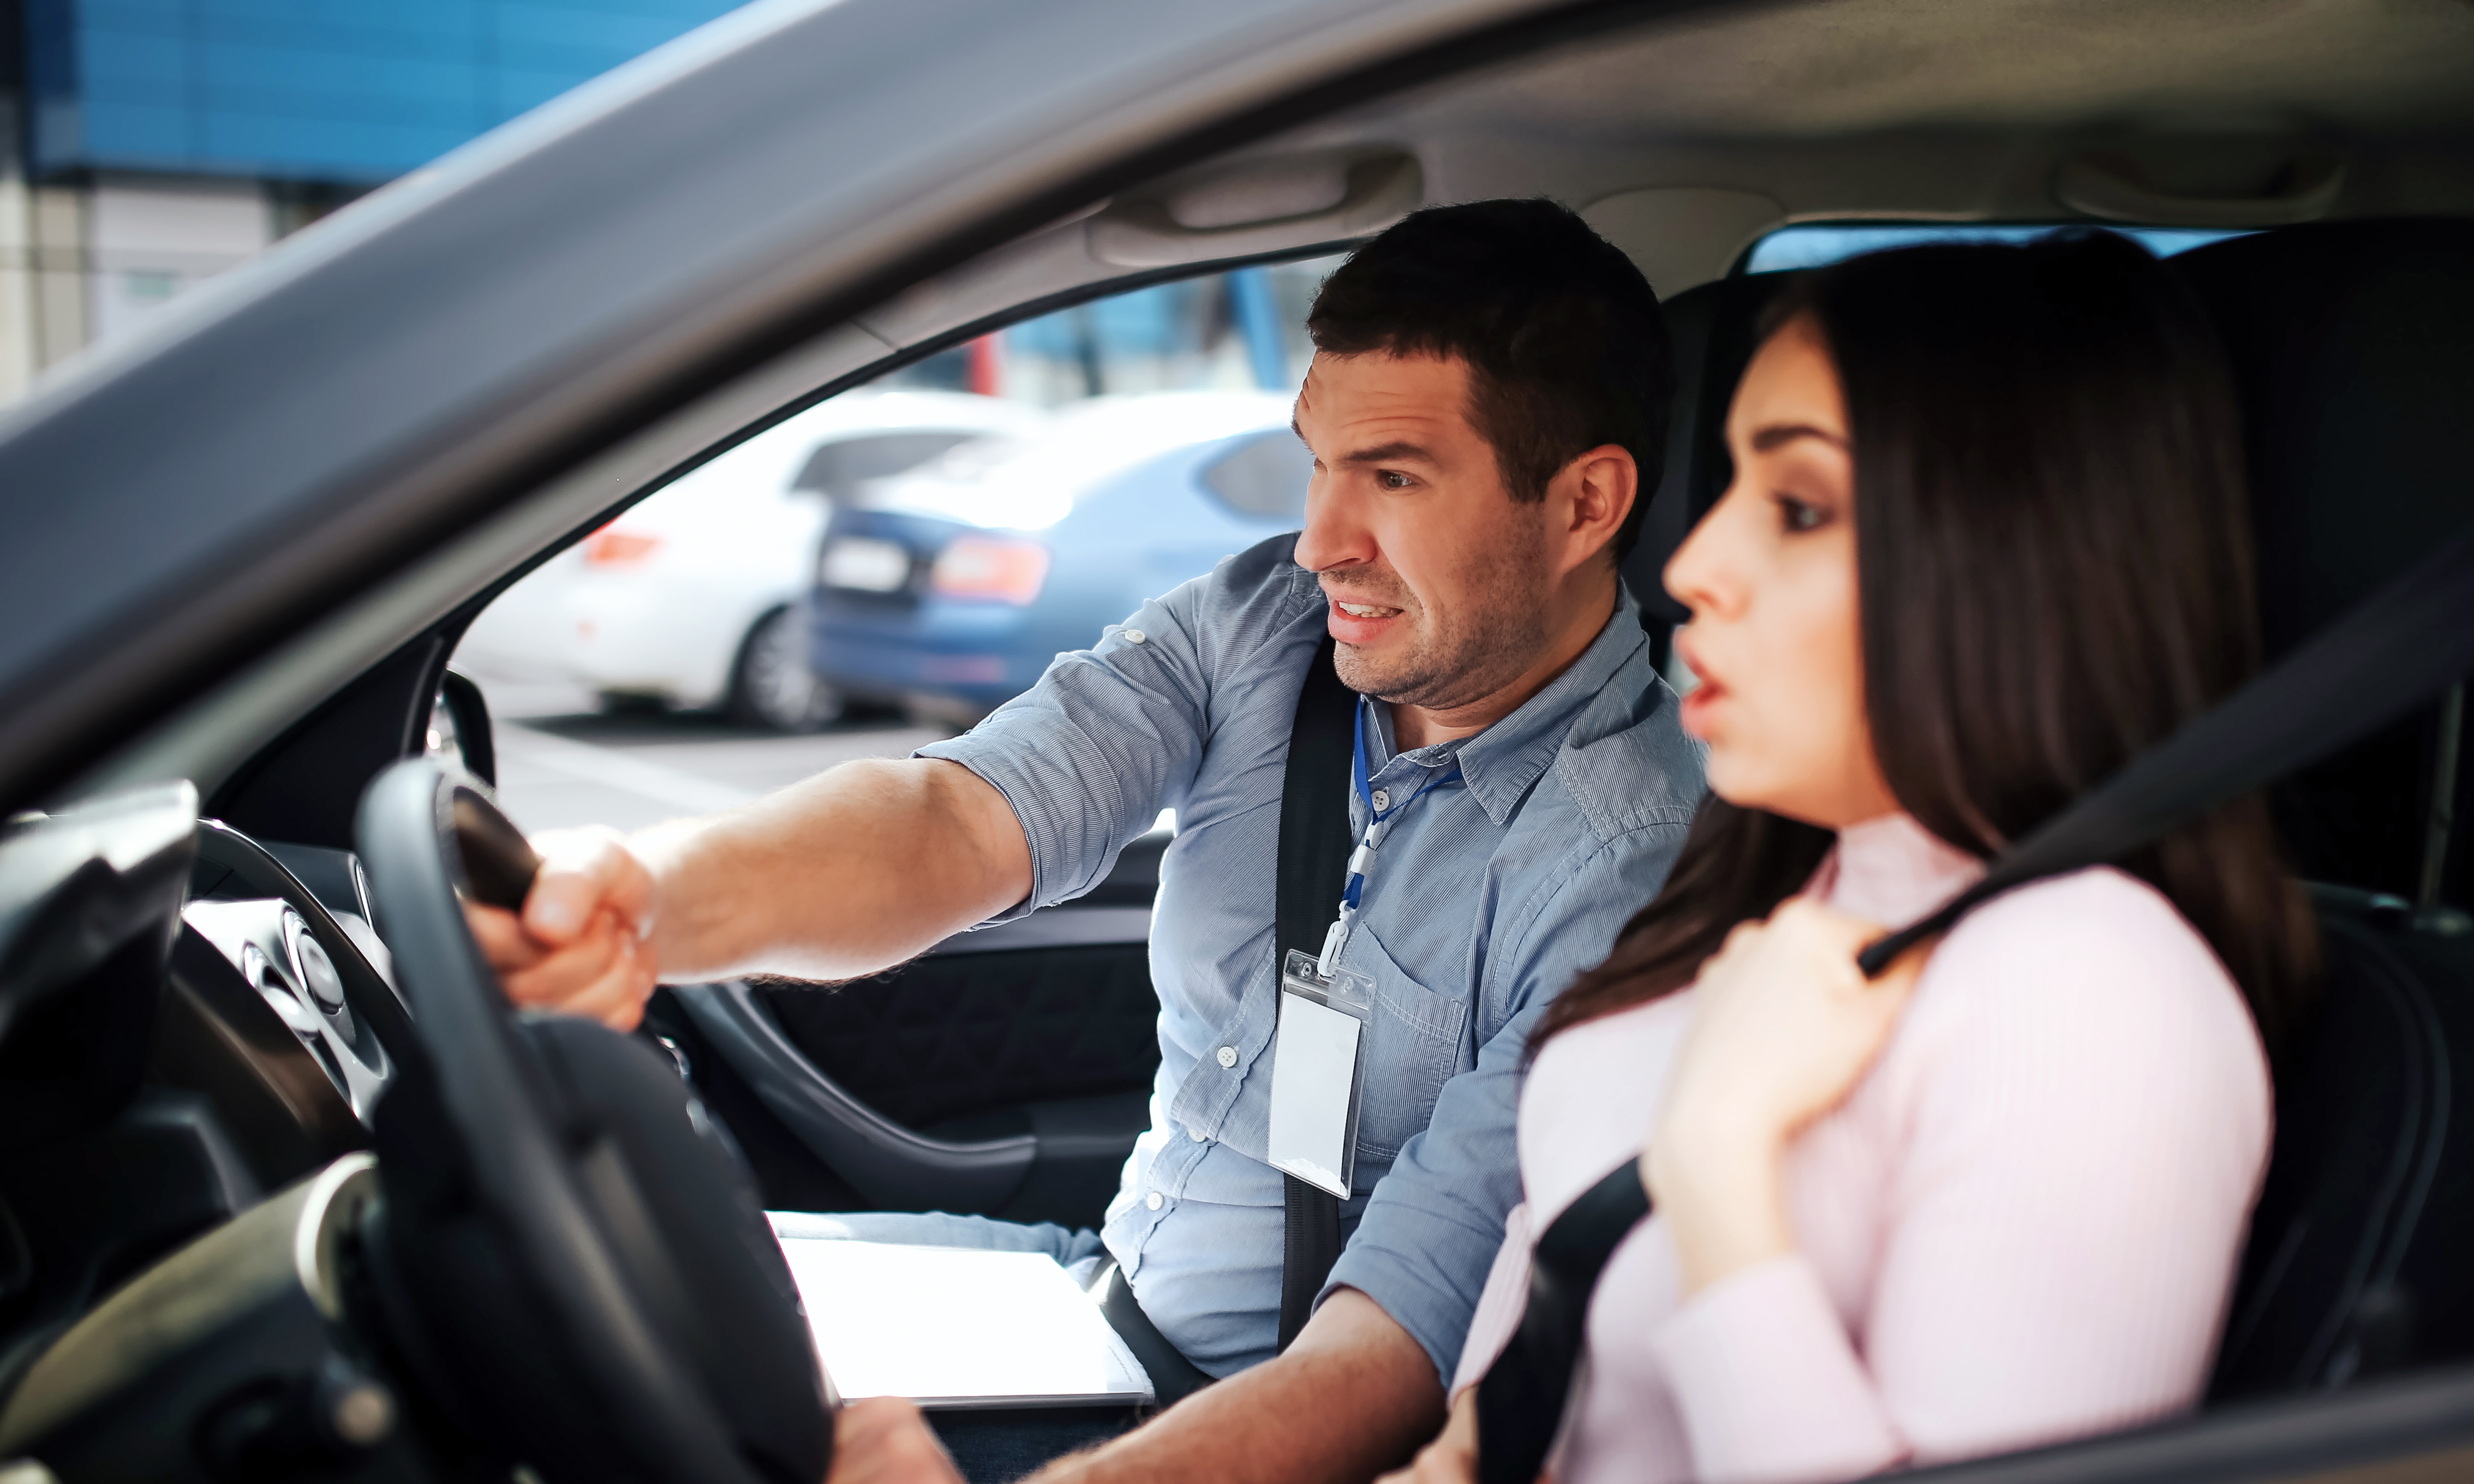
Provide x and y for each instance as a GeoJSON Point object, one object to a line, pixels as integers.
{"type": "Point", "coordinates": [570, 1258]}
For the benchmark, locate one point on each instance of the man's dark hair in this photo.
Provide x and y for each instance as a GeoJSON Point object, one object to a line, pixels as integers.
{"type": "Point", "coordinates": [1563, 336]}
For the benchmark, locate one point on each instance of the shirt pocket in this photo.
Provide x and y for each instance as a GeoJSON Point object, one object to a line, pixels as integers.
{"type": "Point", "coordinates": [1412, 1047]}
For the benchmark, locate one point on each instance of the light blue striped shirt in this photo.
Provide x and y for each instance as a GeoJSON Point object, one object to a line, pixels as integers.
{"type": "Point", "coordinates": [1492, 892]}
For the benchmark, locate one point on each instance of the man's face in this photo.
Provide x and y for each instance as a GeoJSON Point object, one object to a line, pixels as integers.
{"type": "Point", "coordinates": [1439, 580]}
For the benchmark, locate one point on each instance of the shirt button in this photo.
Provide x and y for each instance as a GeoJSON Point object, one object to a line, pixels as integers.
{"type": "Point", "coordinates": [1382, 800]}
{"type": "Point", "coordinates": [1134, 636]}
{"type": "Point", "coordinates": [1198, 1134]}
{"type": "Point", "coordinates": [1227, 1056]}
{"type": "Point", "coordinates": [1154, 1201]}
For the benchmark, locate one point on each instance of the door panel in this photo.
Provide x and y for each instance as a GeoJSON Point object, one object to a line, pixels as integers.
{"type": "Point", "coordinates": [954, 1037]}
{"type": "Point", "coordinates": [1004, 1073]}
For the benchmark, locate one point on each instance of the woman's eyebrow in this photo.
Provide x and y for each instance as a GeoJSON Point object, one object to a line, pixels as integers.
{"type": "Point", "coordinates": [1779, 434]}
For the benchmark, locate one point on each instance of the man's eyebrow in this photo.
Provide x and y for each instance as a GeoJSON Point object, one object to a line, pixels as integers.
{"type": "Point", "coordinates": [1399, 451]}
{"type": "Point", "coordinates": [1779, 434]}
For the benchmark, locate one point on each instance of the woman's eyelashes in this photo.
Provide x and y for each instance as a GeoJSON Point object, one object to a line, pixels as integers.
{"type": "Point", "coordinates": [1796, 514]}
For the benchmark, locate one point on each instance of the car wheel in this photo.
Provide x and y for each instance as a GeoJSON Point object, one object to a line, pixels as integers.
{"type": "Point", "coordinates": [772, 685]}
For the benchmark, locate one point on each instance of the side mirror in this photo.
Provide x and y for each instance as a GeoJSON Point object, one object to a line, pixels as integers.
{"type": "Point", "coordinates": [459, 728]}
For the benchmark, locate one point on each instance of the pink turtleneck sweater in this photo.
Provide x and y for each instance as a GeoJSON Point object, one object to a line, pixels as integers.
{"type": "Point", "coordinates": [2021, 1227]}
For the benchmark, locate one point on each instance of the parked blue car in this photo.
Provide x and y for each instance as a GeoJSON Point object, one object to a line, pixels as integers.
{"type": "Point", "coordinates": [948, 590]}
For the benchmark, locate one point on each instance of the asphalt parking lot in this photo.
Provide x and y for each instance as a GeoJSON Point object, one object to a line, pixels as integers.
{"type": "Point", "coordinates": [563, 761]}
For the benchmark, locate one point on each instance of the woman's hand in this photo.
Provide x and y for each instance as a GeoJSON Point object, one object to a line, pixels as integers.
{"type": "Point", "coordinates": [1783, 1025]}
{"type": "Point", "coordinates": [1452, 1457]}
{"type": "Point", "coordinates": [581, 946]}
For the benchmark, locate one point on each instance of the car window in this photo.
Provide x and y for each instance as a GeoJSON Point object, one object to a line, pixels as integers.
{"type": "Point", "coordinates": [835, 469]}
{"type": "Point", "coordinates": [1263, 478]}
{"type": "Point", "coordinates": [982, 508]}
{"type": "Point", "coordinates": [1818, 244]}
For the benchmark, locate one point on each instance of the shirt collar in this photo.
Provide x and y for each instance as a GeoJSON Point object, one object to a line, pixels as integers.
{"type": "Point", "coordinates": [1499, 763]}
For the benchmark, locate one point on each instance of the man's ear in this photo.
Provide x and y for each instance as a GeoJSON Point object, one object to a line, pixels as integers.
{"type": "Point", "coordinates": [1598, 488]}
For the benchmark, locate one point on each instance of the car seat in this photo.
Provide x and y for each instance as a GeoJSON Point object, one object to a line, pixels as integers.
{"type": "Point", "coordinates": [2352, 346]}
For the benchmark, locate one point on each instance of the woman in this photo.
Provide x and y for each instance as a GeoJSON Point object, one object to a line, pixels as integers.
{"type": "Point", "coordinates": [1986, 539]}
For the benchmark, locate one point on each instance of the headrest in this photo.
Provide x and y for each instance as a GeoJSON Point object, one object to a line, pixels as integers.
{"type": "Point", "coordinates": [2353, 346]}
{"type": "Point", "coordinates": [1711, 329]}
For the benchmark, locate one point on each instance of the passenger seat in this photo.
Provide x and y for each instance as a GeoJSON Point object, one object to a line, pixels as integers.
{"type": "Point", "coordinates": [2353, 348]}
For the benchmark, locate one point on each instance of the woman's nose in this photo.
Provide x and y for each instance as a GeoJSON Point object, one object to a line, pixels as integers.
{"type": "Point", "coordinates": [1694, 576]}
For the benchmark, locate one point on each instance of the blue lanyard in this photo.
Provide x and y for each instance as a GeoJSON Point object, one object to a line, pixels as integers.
{"type": "Point", "coordinates": [1379, 824]}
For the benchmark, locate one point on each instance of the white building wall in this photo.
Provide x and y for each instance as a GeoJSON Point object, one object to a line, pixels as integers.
{"type": "Point", "coordinates": [147, 243]}
{"type": "Point", "coordinates": [78, 264]}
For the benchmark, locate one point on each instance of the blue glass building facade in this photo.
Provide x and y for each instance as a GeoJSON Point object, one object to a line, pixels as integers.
{"type": "Point", "coordinates": [345, 91]}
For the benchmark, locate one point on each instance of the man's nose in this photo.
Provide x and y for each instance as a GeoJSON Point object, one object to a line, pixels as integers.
{"type": "Point", "coordinates": [1334, 537]}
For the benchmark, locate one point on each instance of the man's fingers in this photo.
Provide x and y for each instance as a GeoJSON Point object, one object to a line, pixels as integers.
{"type": "Point", "coordinates": [616, 999]}
{"type": "Point", "coordinates": [584, 872]}
{"type": "Point", "coordinates": [504, 941]}
{"type": "Point", "coordinates": [885, 1440]}
{"type": "Point", "coordinates": [568, 971]}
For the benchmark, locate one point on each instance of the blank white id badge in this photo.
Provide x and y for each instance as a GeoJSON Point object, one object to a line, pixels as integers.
{"type": "Point", "coordinates": [1316, 1062]}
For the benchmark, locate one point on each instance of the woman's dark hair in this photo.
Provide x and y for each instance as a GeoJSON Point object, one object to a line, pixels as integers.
{"type": "Point", "coordinates": [2053, 572]}
{"type": "Point", "coordinates": [1566, 342]}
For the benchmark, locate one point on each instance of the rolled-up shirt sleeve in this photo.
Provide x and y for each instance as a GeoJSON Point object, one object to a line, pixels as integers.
{"type": "Point", "coordinates": [1499, 1306]}
{"type": "Point", "coordinates": [1435, 1224]}
{"type": "Point", "coordinates": [1109, 737]}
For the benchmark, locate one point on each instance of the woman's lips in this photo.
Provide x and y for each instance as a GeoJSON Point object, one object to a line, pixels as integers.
{"type": "Point", "coordinates": [1708, 691]}
{"type": "Point", "coordinates": [1698, 706]}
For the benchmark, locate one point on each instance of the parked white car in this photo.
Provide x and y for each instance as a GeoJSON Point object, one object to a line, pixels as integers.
{"type": "Point", "coordinates": [691, 598]}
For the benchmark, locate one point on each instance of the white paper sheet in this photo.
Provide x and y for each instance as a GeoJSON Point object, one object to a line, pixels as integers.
{"type": "Point", "coordinates": [955, 1328]}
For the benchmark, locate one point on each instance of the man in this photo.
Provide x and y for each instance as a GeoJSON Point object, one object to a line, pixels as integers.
{"type": "Point", "coordinates": [1489, 381]}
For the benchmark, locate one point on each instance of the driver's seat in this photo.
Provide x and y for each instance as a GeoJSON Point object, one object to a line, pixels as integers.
{"type": "Point", "coordinates": [2353, 346]}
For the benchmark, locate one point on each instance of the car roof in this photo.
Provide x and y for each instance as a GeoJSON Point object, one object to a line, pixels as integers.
{"type": "Point", "coordinates": [215, 522]}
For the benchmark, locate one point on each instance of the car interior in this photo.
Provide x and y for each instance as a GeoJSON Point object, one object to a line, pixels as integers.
{"type": "Point", "coordinates": [211, 1046]}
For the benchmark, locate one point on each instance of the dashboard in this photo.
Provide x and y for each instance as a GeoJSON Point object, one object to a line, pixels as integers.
{"type": "Point", "coordinates": [330, 985]}
{"type": "Point", "coordinates": [278, 1007]}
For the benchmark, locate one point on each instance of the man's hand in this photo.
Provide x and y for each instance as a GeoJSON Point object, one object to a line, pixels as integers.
{"type": "Point", "coordinates": [885, 1440]}
{"type": "Point", "coordinates": [1353, 1397]}
{"type": "Point", "coordinates": [582, 946]}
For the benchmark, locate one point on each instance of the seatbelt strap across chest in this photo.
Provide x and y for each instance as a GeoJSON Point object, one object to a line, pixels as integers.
{"type": "Point", "coordinates": [1315, 844]}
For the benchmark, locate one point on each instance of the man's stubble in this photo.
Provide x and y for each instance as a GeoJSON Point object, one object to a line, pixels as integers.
{"type": "Point", "coordinates": [1466, 652]}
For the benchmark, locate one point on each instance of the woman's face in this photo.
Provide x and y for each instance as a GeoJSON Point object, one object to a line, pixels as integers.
{"type": "Point", "coordinates": [1770, 577]}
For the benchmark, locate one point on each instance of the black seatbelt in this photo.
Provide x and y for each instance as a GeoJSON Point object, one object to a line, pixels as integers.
{"type": "Point", "coordinates": [1174, 1377]}
{"type": "Point", "coordinates": [1314, 860]}
{"type": "Point", "coordinates": [2413, 638]}
{"type": "Point", "coordinates": [1520, 1400]}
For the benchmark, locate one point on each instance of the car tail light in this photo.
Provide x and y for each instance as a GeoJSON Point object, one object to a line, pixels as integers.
{"type": "Point", "coordinates": [615, 545]}
{"type": "Point", "coordinates": [991, 567]}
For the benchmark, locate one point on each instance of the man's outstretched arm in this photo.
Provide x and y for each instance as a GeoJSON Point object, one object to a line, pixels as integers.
{"type": "Point", "coordinates": [843, 874]}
